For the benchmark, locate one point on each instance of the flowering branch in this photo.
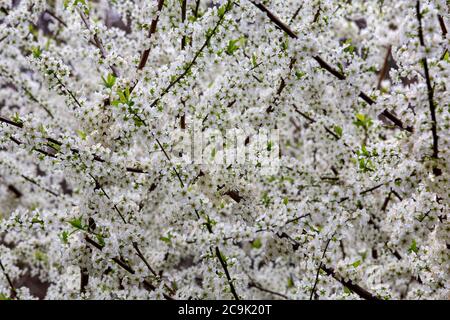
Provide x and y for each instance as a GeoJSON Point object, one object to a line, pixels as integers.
{"type": "Point", "coordinates": [319, 60]}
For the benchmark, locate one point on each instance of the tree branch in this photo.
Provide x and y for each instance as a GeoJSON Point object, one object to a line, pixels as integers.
{"type": "Point", "coordinates": [145, 54]}
{"type": "Point", "coordinates": [360, 291]}
{"type": "Point", "coordinates": [429, 86]}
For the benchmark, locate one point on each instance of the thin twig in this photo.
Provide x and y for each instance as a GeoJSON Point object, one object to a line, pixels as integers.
{"type": "Point", "coordinates": [225, 268]}
{"type": "Point", "coordinates": [97, 42]}
{"type": "Point", "coordinates": [8, 279]}
{"type": "Point", "coordinates": [313, 290]}
{"type": "Point", "coordinates": [253, 284]}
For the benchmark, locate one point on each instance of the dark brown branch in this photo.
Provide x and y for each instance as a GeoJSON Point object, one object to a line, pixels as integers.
{"type": "Point", "coordinates": [54, 16]}
{"type": "Point", "coordinates": [14, 190]}
{"type": "Point", "coordinates": [280, 24]}
{"type": "Point", "coordinates": [53, 193]}
{"type": "Point", "coordinates": [197, 5]}
{"type": "Point", "coordinates": [135, 244]}
{"type": "Point", "coordinates": [371, 189]}
{"type": "Point", "coordinates": [145, 54]}
{"type": "Point", "coordinates": [99, 186]}
{"type": "Point", "coordinates": [429, 86]}
{"type": "Point", "coordinates": [296, 13]}
{"type": "Point", "coordinates": [225, 268]}
{"type": "Point", "coordinates": [442, 25]}
{"type": "Point", "coordinates": [396, 120]}
{"type": "Point", "coordinates": [386, 201]}
{"type": "Point", "coordinates": [170, 161]}
{"type": "Point", "coordinates": [328, 130]}
{"type": "Point", "coordinates": [10, 122]}
{"type": "Point", "coordinates": [349, 284]}
{"type": "Point", "coordinates": [297, 218]}
{"type": "Point", "coordinates": [363, 293]}
{"type": "Point", "coordinates": [280, 89]}
{"type": "Point", "coordinates": [313, 290]}
{"type": "Point", "coordinates": [384, 70]}
{"type": "Point", "coordinates": [363, 192]}
{"type": "Point", "coordinates": [84, 279]}
{"type": "Point", "coordinates": [253, 284]}
{"type": "Point", "coordinates": [139, 253]}
{"type": "Point", "coordinates": [63, 86]}
{"type": "Point", "coordinates": [233, 194]}
{"type": "Point", "coordinates": [329, 68]}
{"type": "Point", "coordinates": [183, 19]}
{"type": "Point", "coordinates": [125, 267]}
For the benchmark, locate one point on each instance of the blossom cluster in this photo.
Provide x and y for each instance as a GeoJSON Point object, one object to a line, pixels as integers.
{"type": "Point", "coordinates": [102, 104]}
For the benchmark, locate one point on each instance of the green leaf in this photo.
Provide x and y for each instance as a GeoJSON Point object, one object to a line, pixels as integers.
{"type": "Point", "coordinates": [4, 297]}
{"type": "Point", "coordinates": [16, 118]}
{"type": "Point", "coordinates": [37, 220]}
{"type": "Point", "coordinates": [223, 9]}
{"type": "Point", "coordinates": [285, 200]}
{"type": "Point", "coordinates": [100, 239]}
{"type": "Point", "coordinates": [363, 121]}
{"type": "Point", "coordinates": [254, 61]}
{"type": "Point", "coordinates": [82, 134]}
{"type": "Point", "coordinates": [40, 256]}
{"type": "Point", "coordinates": [109, 81]}
{"type": "Point", "coordinates": [290, 283]}
{"type": "Point", "coordinates": [234, 45]}
{"type": "Point", "coordinates": [137, 121]}
{"type": "Point", "coordinates": [446, 56]}
{"type": "Point", "coordinates": [356, 263]}
{"type": "Point", "coordinates": [256, 244]}
{"type": "Point", "coordinates": [372, 69]}
{"type": "Point", "coordinates": [413, 247]}
{"type": "Point", "coordinates": [124, 98]}
{"type": "Point", "coordinates": [338, 131]}
{"type": "Point", "coordinates": [364, 151]}
{"type": "Point", "coordinates": [341, 68]}
{"type": "Point", "coordinates": [42, 129]}
{"type": "Point", "coordinates": [65, 237]}
{"type": "Point", "coordinates": [75, 3]}
{"type": "Point", "coordinates": [360, 117]}
{"type": "Point", "coordinates": [299, 74]}
{"type": "Point", "coordinates": [37, 52]}
{"type": "Point", "coordinates": [349, 46]}
{"type": "Point", "coordinates": [167, 239]}
{"type": "Point", "coordinates": [347, 290]}
{"type": "Point", "coordinates": [77, 223]}
{"type": "Point", "coordinates": [285, 45]}
{"type": "Point", "coordinates": [54, 146]}
{"type": "Point", "coordinates": [266, 199]}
